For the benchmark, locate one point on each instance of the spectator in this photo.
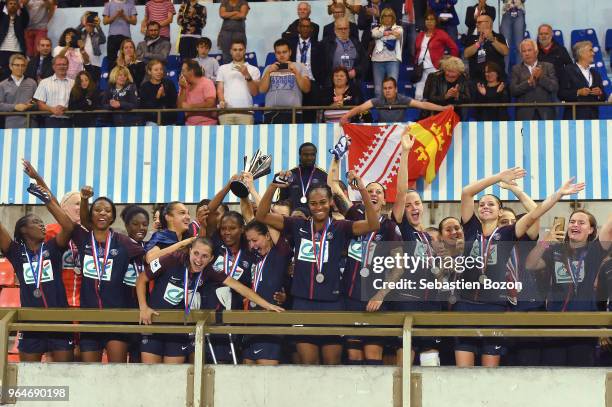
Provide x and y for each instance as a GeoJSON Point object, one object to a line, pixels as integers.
{"type": "Point", "coordinates": [84, 96]}
{"type": "Point", "coordinates": [513, 24]}
{"type": "Point", "coordinates": [13, 22]}
{"type": "Point", "coordinates": [472, 13]}
{"type": "Point", "coordinates": [430, 47]}
{"type": "Point", "coordinates": [196, 91]}
{"type": "Point", "coordinates": [53, 93]}
{"type": "Point", "coordinates": [158, 92]}
{"type": "Point", "coordinates": [40, 12]}
{"type": "Point", "coordinates": [92, 35]}
{"type": "Point", "coordinates": [487, 46]}
{"type": "Point", "coordinates": [209, 65]}
{"type": "Point", "coordinates": [283, 82]}
{"type": "Point", "coordinates": [127, 58]}
{"type": "Point", "coordinates": [447, 16]}
{"type": "Point", "coordinates": [329, 31]}
{"type": "Point", "coordinates": [341, 50]}
{"type": "Point", "coordinates": [342, 95]}
{"type": "Point", "coordinates": [351, 7]}
{"type": "Point", "coordinates": [234, 14]}
{"type": "Point", "coordinates": [303, 11]}
{"type": "Point", "coordinates": [368, 19]}
{"type": "Point", "coordinates": [122, 95]}
{"type": "Point", "coordinates": [449, 86]}
{"type": "Point", "coordinates": [533, 81]}
{"type": "Point", "coordinates": [582, 83]}
{"type": "Point", "coordinates": [389, 98]}
{"type": "Point", "coordinates": [387, 53]}
{"type": "Point", "coordinates": [493, 91]}
{"type": "Point", "coordinates": [550, 51]}
{"type": "Point", "coordinates": [41, 66]}
{"type": "Point", "coordinates": [154, 45]}
{"type": "Point", "coordinates": [192, 20]}
{"type": "Point", "coordinates": [162, 12]}
{"type": "Point", "coordinates": [16, 93]}
{"type": "Point", "coordinates": [409, 25]}
{"type": "Point", "coordinates": [237, 83]}
{"type": "Point", "coordinates": [119, 14]}
{"type": "Point", "coordinates": [72, 47]}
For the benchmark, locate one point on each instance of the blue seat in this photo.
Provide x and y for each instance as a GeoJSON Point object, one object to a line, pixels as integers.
{"type": "Point", "coordinates": [173, 63]}
{"type": "Point", "coordinates": [527, 34]}
{"type": "Point", "coordinates": [609, 39]}
{"type": "Point", "coordinates": [251, 58]}
{"type": "Point", "coordinates": [173, 75]}
{"type": "Point", "coordinates": [367, 90]}
{"type": "Point", "coordinates": [259, 100]}
{"type": "Point", "coordinates": [218, 57]}
{"type": "Point", "coordinates": [270, 58]}
{"type": "Point", "coordinates": [558, 36]}
{"type": "Point", "coordinates": [587, 34]}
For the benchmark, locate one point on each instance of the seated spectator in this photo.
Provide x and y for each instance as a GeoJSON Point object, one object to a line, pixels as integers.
{"type": "Point", "coordinates": [339, 11]}
{"type": "Point", "coordinates": [342, 95]}
{"type": "Point", "coordinates": [84, 96]}
{"type": "Point", "coordinates": [53, 93]}
{"type": "Point", "coordinates": [550, 51]}
{"type": "Point", "coordinates": [72, 47]}
{"type": "Point", "coordinates": [16, 93]}
{"type": "Point", "coordinates": [209, 65]}
{"type": "Point", "coordinates": [234, 14]}
{"type": "Point", "coordinates": [430, 47]}
{"type": "Point", "coordinates": [493, 91]}
{"type": "Point", "coordinates": [284, 83]}
{"type": "Point", "coordinates": [351, 8]}
{"type": "Point", "coordinates": [93, 36]}
{"type": "Point", "coordinates": [387, 53]}
{"type": "Point", "coordinates": [196, 91]}
{"type": "Point", "coordinates": [41, 66]}
{"type": "Point", "coordinates": [342, 50]}
{"type": "Point", "coordinates": [158, 92]}
{"type": "Point", "coordinates": [127, 58]}
{"type": "Point", "coordinates": [533, 81]}
{"type": "Point", "coordinates": [192, 20]}
{"type": "Point", "coordinates": [161, 12]}
{"type": "Point", "coordinates": [389, 98]}
{"type": "Point", "coordinates": [487, 46]}
{"type": "Point", "coordinates": [582, 83]}
{"type": "Point", "coordinates": [303, 11]}
{"type": "Point", "coordinates": [13, 22]}
{"type": "Point", "coordinates": [154, 46]}
{"type": "Point", "coordinates": [447, 15]}
{"type": "Point", "coordinates": [119, 15]}
{"type": "Point", "coordinates": [237, 84]}
{"type": "Point", "coordinates": [472, 13]}
{"type": "Point", "coordinates": [40, 12]}
{"type": "Point", "coordinates": [449, 86]}
{"type": "Point", "coordinates": [121, 96]}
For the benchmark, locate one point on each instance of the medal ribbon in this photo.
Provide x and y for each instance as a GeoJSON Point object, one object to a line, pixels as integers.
{"type": "Point", "coordinates": [318, 252]}
{"type": "Point", "coordinates": [226, 266]}
{"type": "Point", "coordinates": [94, 249]}
{"type": "Point", "coordinates": [304, 190]}
{"type": "Point", "coordinates": [259, 272]}
{"type": "Point", "coordinates": [39, 266]}
{"type": "Point", "coordinates": [189, 302]}
{"type": "Point", "coordinates": [484, 249]}
{"type": "Point", "coordinates": [423, 238]}
{"type": "Point", "coordinates": [366, 251]}
{"type": "Point", "coordinates": [75, 254]}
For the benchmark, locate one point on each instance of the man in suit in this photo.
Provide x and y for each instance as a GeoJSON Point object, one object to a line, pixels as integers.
{"type": "Point", "coordinates": [329, 31]}
{"type": "Point", "coordinates": [472, 13]}
{"type": "Point", "coordinates": [41, 65]}
{"type": "Point", "coordinates": [343, 50]}
{"type": "Point", "coordinates": [303, 11]}
{"type": "Point", "coordinates": [13, 22]}
{"type": "Point", "coordinates": [533, 81]}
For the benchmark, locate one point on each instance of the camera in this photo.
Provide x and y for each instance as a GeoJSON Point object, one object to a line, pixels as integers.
{"type": "Point", "coordinates": [283, 66]}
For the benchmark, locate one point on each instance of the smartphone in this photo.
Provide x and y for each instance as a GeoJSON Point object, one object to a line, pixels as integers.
{"type": "Point", "coordinates": [559, 224]}
{"type": "Point", "coordinates": [283, 66]}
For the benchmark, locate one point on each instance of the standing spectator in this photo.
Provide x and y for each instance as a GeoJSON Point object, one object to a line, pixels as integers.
{"type": "Point", "coordinates": [409, 26]}
{"type": "Point", "coordinates": [513, 25]}
{"type": "Point", "coordinates": [13, 22]}
{"type": "Point", "coordinates": [84, 96]}
{"type": "Point", "coordinates": [160, 11]}
{"type": "Point", "coordinates": [352, 8]}
{"type": "Point", "coordinates": [284, 82]}
{"type": "Point", "coordinates": [234, 14]}
{"type": "Point", "coordinates": [487, 46]}
{"type": "Point", "coordinates": [472, 13]}
{"type": "Point", "coordinates": [158, 92]}
{"type": "Point", "coordinates": [338, 12]}
{"type": "Point", "coordinates": [119, 14]}
{"type": "Point", "coordinates": [92, 36]}
{"type": "Point", "coordinates": [431, 45]}
{"type": "Point", "coordinates": [387, 53]}
{"type": "Point", "coordinates": [72, 47]}
{"type": "Point", "coordinates": [16, 93]}
{"type": "Point", "coordinates": [449, 86]}
{"type": "Point", "coordinates": [154, 45]}
{"type": "Point", "coordinates": [341, 95]}
{"type": "Point", "coordinates": [582, 83]}
{"type": "Point", "coordinates": [493, 91]}
{"type": "Point", "coordinates": [127, 58]}
{"type": "Point", "coordinates": [237, 83]}
{"type": "Point", "coordinates": [192, 20]}
{"type": "Point", "coordinates": [40, 12]}
{"type": "Point", "coordinates": [209, 65]}
{"type": "Point", "coordinates": [53, 93]}
{"type": "Point", "coordinates": [41, 66]}
{"type": "Point", "coordinates": [303, 11]}
{"type": "Point", "coordinates": [447, 16]}
{"type": "Point", "coordinates": [368, 19]}
{"type": "Point", "coordinates": [122, 95]}
{"type": "Point", "coordinates": [342, 50]}
{"type": "Point", "coordinates": [550, 51]}
{"type": "Point", "coordinates": [533, 81]}
{"type": "Point", "coordinates": [196, 91]}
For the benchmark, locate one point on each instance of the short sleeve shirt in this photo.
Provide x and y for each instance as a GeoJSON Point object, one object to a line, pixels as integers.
{"type": "Point", "coordinates": [391, 116]}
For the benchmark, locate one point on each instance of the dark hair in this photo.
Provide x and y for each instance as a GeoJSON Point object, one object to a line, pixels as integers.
{"type": "Point", "coordinates": [510, 210]}
{"type": "Point", "coordinates": [238, 41]}
{"type": "Point", "coordinates": [389, 79]}
{"type": "Point", "coordinates": [341, 68]}
{"type": "Point", "coordinates": [257, 226]}
{"type": "Point", "coordinates": [430, 12]}
{"type": "Point", "coordinates": [592, 221]}
{"type": "Point", "coordinates": [324, 187]}
{"type": "Point", "coordinates": [441, 224]}
{"type": "Point", "coordinates": [77, 91]}
{"type": "Point", "coordinates": [75, 37]}
{"type": "Point", "coordinates": [234, 215]}
{"type": "Point", "coordinates": [103, 198]}
{"type": "Point", "coordinates": [21, 223]}
{"type": "Point", "coordinates": [152, 23]}
{"type": "Point", "coordinates": [493, 67]}
{"type": "Point", "coordinates": [225, 207]}
{"type": "Point", "coordinates": [193, 66]}
{"type": "Point", "coordinates": [381, 186]}
{"type": "Point", "coordinates": [307, 144]}
{"type": "Point", "coordinates": [499, 202]}
{"type": "Point", "coordinates": [165, 211]}
{"type": "Point", "coordinates": [203, 240]}
{"type": "Point", "coordinates": [203, 202]}
{"type": "Point", "coordinates": [158, 208]}
{"type": "Point", "coordinates": [285, 203]}
{"type": "Point", "coordinates": [204, 41]}
{"type": "Point", "coordinates": [128, 213]}
{"type": "Point", "coordinates": [280, 43]}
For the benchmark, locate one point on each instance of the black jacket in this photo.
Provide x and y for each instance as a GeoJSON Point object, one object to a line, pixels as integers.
{"type": "Point", "coordinates": [45, 72]}
{"type": "Point", "coordinates": [557, 56]}
{"type": "Point", "coordinates": [470, 21]}
{"type": "Point", "coordinates": [329, 31]}
{"type": "Point", "coordinates": [21, 22]}
{"type": "Point", "coordinates": [574, 80]}
{"type": "Point", "coordinates": [361, 63]}
{"type": "Point", "coordinates": [436, 87]}
{"type": "Point", "coordinates": [317, 54]}
{"type": "Point", "coordinates": [291, 33]}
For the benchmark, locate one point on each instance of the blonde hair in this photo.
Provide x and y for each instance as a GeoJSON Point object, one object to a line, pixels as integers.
{"type": "Point", "coordinates": [112, 78]}
{"type": "Point", "coordinates": [452, 64]}
{"type": "Point", "coordinates": [388, 12]}
{"type": "Point", "coordinates": [67, 197]}
{"type": "Point", "coordinates": [121, 55]}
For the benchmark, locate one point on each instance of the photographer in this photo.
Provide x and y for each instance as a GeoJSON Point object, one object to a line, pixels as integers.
{"type": "Point", "coordinates": [72, 47]}
{"type": "Point", "coordinates": [93, 37]}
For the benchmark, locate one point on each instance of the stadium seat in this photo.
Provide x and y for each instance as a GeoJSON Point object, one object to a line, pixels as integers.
{"type": "Point", "coordinates": [558, 36]}
{"type": "Point", "coordinates": [173, 63]}
{"type": "Point", "coordinates": [173, 75]}
{"type": "Point", "coordinates": [7, 274]}
{"type": "Point", "coordinates": [9, 297]}
{"type": "Point", "coordinates": [270, 58]}
{"type": "Point", "coordinates": [218, 57]}
{"type": "Point", "coordinates": [251, 58]}
{"type": "Point", "coordinates": [527, 34]}
{"type": "Point", "coordinates": [103, 85]}
{"type": "Point", "coordinates": [587, 34]}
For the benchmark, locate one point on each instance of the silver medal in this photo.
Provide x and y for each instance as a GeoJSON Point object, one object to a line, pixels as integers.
{"type": "Point", "coordinates": [452, 299]}
{"type": "Point", "coordinates": [320, 278]}
{"type": "Point", "coordinates": [37, 293]}
{"type": "Point", "coordinates": [253, 305]}
{"type": "Point", "coordinates": [482, 278]}
{"type": "Point", "coordinates": [364, 272]}
{"type": "Point", "coordinates": [303, 200]}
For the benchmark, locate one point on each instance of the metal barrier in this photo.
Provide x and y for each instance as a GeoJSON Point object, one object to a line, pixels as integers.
{"type": "Point", "coordinates": [202, 322]}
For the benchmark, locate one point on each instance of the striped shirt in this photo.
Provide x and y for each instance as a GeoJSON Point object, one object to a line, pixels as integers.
{"type": "Point", "coordinates": [11, 43]}
{"type": "Point", "coordinates": [157, 10]}
{"type": "Point", "coordinates": [54, 91]}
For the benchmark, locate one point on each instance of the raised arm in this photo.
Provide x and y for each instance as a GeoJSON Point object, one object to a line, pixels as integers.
{"type": "Point", "coordinates": [605, 234]}
{"type": "Point", "coordinates": [213, 205]}
{"type": "Point", "coordinates": [156, 253]}
{"type": "Point", "coordinates": [371, 222]}
{"type": "Point", "coordinates": [333, 177]}
{"type": "Point", "coordinates": [86, 193]}
{"type": "Point", "coordinates": [263, 211]}
{"type": "Point", "coordinates": [529, 205]}
{"type": "Point", "coordinates": [5, 239]}
{"type": "Point", "coordinates": [399, 206]}
{"type": "Point", "coordinates": [249, 294]}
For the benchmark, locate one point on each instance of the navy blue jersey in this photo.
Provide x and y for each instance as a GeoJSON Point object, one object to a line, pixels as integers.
{"type": "Point", "coordinates": [294, 192]}
{"type": "Point", "coordinates": [605, 282]}
{"type": "Point", "coordinates": [165, 238]}
{"type": "Point", "coordinates": [304, 284]}
{"type": "Point", "coordinates": [273, 271]}
{"type": "Point", "coordinates": [136, 266]}
{"type": "Point", "coordinates": [111, 292]}
{"type": "Point", "coordinates": [53, 293]}
{"type": "Point", "coordinates": [533, 291]}
{"type": "Point", "coordinates": [169, 274]}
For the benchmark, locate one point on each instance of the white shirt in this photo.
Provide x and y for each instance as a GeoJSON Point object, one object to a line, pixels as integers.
{"type": "Point", "coordinates": [95, 60]}
{"type": "Point", "coordinates": [235, 89]}
{"type": "Point", "coordinates": [17, 81]}
{"type": "Point", "coordinates": [54, 91]}
{"type": "Point", "coordinates": [298, 56]}
{"type": "Point", "coordinates": [10, 42]}
{"type": "Point", "coordinates": [425, 58]}
{"type": "Point", "coordinates": [587, 74]}
{"type": "Point", "coordinates": [531, 67]}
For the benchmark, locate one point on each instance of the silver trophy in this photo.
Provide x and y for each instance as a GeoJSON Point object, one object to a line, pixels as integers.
{"type": "Point", "coordinates": [258, 166]}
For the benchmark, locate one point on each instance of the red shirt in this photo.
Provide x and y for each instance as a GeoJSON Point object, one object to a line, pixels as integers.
{"type": "Point", "coordinates": [438, 43]}
{"type": "Point", "coordinates": [158, 10]}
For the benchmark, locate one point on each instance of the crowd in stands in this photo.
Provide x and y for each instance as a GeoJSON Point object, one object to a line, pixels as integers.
{"type": "Point", "coordinates": [323, 64]}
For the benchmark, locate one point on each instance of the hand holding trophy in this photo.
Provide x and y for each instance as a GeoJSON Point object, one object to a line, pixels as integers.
{"type": "Point", "coordinates": [258, 167]}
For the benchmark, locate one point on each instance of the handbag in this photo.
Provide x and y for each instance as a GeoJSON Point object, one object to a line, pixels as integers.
{"type": "Point", "coordinates": [417, 72]}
